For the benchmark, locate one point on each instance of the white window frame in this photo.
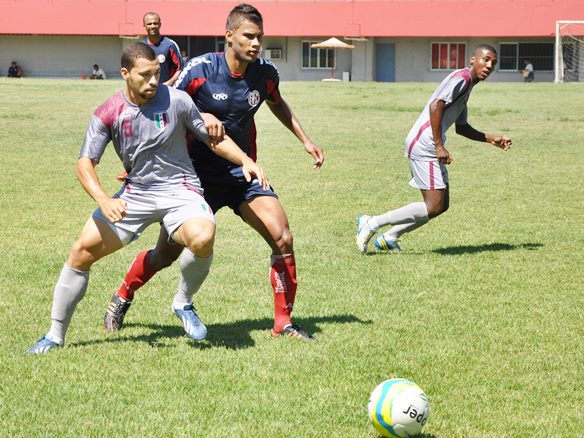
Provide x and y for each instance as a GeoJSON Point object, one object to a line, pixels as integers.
{"type": "Point", "coordinates": [318, 54]}
{"type": "Point", "coordinates": [520, 56]}
{"type": "Point", "coordinates": [449, 43]}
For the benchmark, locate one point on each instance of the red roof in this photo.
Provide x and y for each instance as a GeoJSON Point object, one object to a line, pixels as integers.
{"type": "Point", "coordinates": [368, 18]}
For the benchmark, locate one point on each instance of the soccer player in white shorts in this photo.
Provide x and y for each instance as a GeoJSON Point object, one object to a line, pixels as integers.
{"type": "Point", "coordinates": [147, 124]}
{"type": "Point", "coordinates": [424, 147]}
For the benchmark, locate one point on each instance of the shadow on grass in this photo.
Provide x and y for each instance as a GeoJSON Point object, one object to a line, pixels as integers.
{"type": "Point", "coordinates": [232, 335]}
{"type": "Point", "coordinates": [473, 249]}
{"type": "Point", "coordinates": [458, 250]}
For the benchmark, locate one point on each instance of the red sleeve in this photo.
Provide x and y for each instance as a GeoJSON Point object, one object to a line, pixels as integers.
{"type": "Point", "coordinates": [273, 92]}
{"type": "Point", "coordinates": [194, 86]}
{"type": "Point", "coordinates": [176, 61]}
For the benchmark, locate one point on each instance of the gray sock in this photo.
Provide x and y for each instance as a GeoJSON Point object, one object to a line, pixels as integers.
{"type": "Point", "coordinates": [69, 290]}
{"type": "Point", "coordinates": [398, 230]}
{"type": "Point", "coordinates": [194, 270]}
{"type": "Point", "coordinates": [411, 213]}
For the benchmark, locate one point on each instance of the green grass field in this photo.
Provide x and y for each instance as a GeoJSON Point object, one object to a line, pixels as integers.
{"type": "Point", "coordinates": [483, 309]}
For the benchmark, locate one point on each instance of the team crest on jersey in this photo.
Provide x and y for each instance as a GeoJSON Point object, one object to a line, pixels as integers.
{"type": "Point", "coordinates": [161, 120]}
{"type": "Point", "coordinates": [161, 58]}
{"type": "Point", "coordinates": [254, 98]}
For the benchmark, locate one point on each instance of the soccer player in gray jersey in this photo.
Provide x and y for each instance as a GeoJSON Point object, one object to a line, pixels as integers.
{"type": "Point", "coordinates": [147, 124]}
{"type": "Point", "coordinates": [424, 147]}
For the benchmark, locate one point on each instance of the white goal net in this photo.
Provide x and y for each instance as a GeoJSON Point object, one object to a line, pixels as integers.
{"type": "Point", "coordinates": [569, 55]}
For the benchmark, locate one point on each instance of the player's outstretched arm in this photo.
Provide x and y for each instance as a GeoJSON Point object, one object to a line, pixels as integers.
{"type": "Point", "coordinates": [113, 209]}
{"type": "Point", "coordinates": [229, 150]}
{"type": "Point", "coordinates": [285, 115]}
{"type": "Point", "coordinates": [471, 133]}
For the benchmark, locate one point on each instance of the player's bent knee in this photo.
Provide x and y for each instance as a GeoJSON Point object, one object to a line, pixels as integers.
{"type": "Point", "coordinates": [198, 235]}
{"type": "Point", "coordinates": [434, 212]}
{"type": "Point", "coordinates": [285, 242]}
{"type": "Point", "coordinates": [80, 257]}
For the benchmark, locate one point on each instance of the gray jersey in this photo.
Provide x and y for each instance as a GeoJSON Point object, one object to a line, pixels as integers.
{"type": "Point", "coordinates": [149, 139]}
{"type": "Point", "coordinates": [454, 91]}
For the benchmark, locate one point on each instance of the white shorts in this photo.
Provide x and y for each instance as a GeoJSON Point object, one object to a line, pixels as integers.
{"type": "Point", "coordinates": [428, 175]}
{"type": "Point", "coordinates": [172, 207]}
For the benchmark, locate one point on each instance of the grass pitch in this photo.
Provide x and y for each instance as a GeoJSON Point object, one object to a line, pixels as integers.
{"type": "Point", "coordinates": [482, 309]}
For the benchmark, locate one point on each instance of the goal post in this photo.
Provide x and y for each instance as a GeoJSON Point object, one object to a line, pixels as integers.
{"type": "Point", "coordinates": [569, 51]}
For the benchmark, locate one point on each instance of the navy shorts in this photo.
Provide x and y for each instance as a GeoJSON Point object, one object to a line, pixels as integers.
{"type": "Point", "coordinates": [232, 195]}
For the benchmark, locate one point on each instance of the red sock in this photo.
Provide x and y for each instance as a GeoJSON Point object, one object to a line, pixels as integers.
{"type": "Point", "coordinates": [136, 277]}
{"type": "Point", "coordinates": [283, 279]}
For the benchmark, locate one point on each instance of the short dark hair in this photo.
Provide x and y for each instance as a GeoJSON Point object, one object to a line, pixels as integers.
{"type": "Point", "coordinates": [243, 11]}
{"type": "Point", "coordinates": [135, 51]}
{"type": "Point", "coordinates": [484, 47]}
{"type": "Point", "coordinates": [150, 13]}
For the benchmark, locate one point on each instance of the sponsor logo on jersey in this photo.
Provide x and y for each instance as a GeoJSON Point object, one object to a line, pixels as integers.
{"type": "Point", "coordinates": [220, 96]}
{"type": "Point", "coordinates": [254, 98]}
{"type": "Point", "coordinates": [161, 120]}
{"type": "Point", "coordinates": [192, 63]}
{"type": "Point", "coordinates": [161, 58]}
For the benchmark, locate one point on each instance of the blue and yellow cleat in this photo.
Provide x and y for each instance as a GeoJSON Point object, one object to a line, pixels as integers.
{"type": "Point", "coordinates": [387, 244]}
{"type": "Point", "coordinates": [364, 232]}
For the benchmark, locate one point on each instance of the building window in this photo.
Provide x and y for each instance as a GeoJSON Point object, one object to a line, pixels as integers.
{"type": "Point", "coordinates": [511, 56]}
{"type": "Point", "coordinates": [316, 58]}
{"type": "Point", "coordinates": [508, 56]}
{"type": "Point", "coordinates": [448, 56]}
{"type": "Point", "coordinates": [220, 44]}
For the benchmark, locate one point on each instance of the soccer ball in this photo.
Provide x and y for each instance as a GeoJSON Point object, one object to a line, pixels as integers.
{"type": "Point", "coordinates": [398, 407]}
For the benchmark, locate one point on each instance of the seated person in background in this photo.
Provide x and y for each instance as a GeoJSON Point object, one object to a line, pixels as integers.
{"type": "Point", "coordinates": [14, 71]}
{"type": "Point", "coordinates": [97, 73]}
{"type": "Point", "coordinates": [528, 74]}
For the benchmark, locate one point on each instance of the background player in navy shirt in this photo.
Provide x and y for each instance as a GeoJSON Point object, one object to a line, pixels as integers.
{"type": "Point", "coordinates": [231, 87]}
{"type": "Point", "coordinates": [166, 49]}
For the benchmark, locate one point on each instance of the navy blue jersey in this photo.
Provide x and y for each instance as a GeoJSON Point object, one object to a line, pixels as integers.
{"type": "Point", "coordinates": [168, 55]}
{"type": "Point", "coordinates": [234, 100]}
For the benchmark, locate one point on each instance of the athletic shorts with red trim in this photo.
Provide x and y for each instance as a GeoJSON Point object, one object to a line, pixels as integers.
{"type": "Point", "coordinates": [428, 175]}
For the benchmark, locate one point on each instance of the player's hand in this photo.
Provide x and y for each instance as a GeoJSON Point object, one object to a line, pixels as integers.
{"type": "Point", "coordinates": [251, 169]}
{"type": "Point", "coordinates": [122, 176]}
{"type": "Point", "coordinates": [500, 141]}
{"type": "Point", "coordinates": [215, 128]}
{"type": "Point", "coordinates": [114, 209]}
{"type": "Point", "coordinates": [443, 155]}
{"type": "Point", "coordinates": [316, 153]}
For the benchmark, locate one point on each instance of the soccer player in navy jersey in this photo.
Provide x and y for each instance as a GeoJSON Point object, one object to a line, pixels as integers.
{"type": "Point", "coordinates": [167, 50]}
{"type": "Point", "coordinates": [147, 124]}
{"type": "Point", "coordinates": [231, 86]}
{"type": "Point", "coordinates": [424, 147]}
